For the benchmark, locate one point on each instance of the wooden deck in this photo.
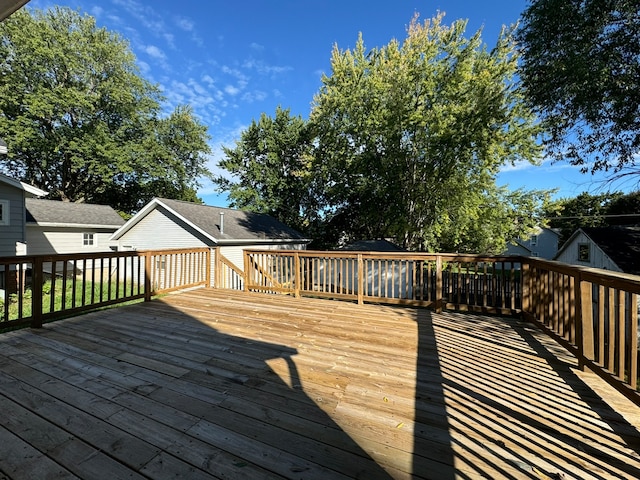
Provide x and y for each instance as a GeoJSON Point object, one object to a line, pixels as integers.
{"type": "Point", "coordinates": [210, 384]}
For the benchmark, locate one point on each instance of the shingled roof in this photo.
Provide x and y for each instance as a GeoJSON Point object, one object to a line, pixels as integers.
{"type": "Point", "coordinates": [237, 224]}
{"type": "Point", "coordinates": [68, 214]}
{"type": "Point", "coordinates": [620, 243]}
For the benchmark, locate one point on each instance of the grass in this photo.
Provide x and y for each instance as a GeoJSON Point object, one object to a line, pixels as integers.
{"type": "Point", "coordinates": [61, 296]}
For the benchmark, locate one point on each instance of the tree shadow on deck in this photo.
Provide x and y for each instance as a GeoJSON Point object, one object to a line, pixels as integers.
{"type": "Point", "coordinates": [251, 416]}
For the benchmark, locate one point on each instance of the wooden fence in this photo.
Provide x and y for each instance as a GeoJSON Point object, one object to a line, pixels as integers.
{"type": "Point", "coordinates": [39, 288]}
{"type": "Point", "coordinates": [592, 312]}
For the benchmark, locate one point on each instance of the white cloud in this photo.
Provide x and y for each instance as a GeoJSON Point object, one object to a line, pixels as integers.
{"type": "Point", "coordinates": [155, 52]}
{"type": "Point", "coordinates": [185, 24]}
{"type": "Point", "coordinates": [264, 69]}
{"type": "Point", "coordinates": [231, 90]}
{"type": "Point", "coordinates": [255, 96]}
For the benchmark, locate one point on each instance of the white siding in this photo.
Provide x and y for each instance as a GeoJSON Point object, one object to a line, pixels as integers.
{"type": "Point", "coordinates": [597, 258]}
{"type": "Point", "coordinates": [235, 253]}
{"type": "Point", "coordinates": [49, 240]}
{"type": "Point", "coordinates": [157, 231]}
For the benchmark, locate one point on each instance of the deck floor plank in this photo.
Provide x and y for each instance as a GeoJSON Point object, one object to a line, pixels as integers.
{"type": "Point", "coordinates": [217, 384]}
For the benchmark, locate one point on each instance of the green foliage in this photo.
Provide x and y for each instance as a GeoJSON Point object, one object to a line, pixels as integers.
{"type": "Point", "coordinates": [410, 138]}
{"type": "Point", "coordinates": [581, 70]}
{"type": "Point", "coordinates": [82, 123]}
{"type": "Point", "coordinates": [270, 170]}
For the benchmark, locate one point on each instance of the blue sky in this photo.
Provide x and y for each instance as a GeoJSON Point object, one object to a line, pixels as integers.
{"type": "Point", "coordinates": [234, 60]}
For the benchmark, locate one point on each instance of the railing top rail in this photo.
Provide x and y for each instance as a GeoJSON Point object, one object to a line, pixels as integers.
{"type": "Point", "coordinates": [61, 257]}
{"type": "Point", "coordinates": [391, 255]}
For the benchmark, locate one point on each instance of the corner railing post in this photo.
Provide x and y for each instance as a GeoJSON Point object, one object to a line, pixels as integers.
{"type": "Point", "coordinates": [247, 274]}
{"type": "Point", "coordinates": [147, 276]}
{"type": "Point", "coordinates": [36, 293]}
{"type": "Point", "coordinates": [439, 284]}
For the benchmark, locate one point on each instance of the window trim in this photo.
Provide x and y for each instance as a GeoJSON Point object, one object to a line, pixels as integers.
{"type": "Point", "coordinates": [583, 248]}
{"type": "Point", "coordinates": [534, 240]}
{"type": "Point", "coordinates": [5, 212]}
{"type": "Point", "coordinates": [88, 239]}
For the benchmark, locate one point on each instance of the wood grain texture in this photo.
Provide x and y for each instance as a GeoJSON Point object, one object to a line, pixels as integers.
{"type": "Point", "coordinates": [213, 384]}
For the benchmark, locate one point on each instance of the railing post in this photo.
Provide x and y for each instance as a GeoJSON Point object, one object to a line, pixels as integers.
{"type": "Point", "coordinates": [217, 274]}
{"type": "Point", "coordinates": [584, 321]}
{"type": "Point", "coordinates": [147, 276]}
{"type": "Point", "coordinates": [208, 267]}
{"type": "Point", "coordinates": [526, 287]}
{"type": "Point", "coordinates": [439, 284]}
{"type": "Point", "coordinates": [36, 293]}
{"type": "Point", "coordinates": [297, 278]}
{"type": "Point", "coordinates": [360, 280]}
{"type": "Point", "coordinates": [246, 275]}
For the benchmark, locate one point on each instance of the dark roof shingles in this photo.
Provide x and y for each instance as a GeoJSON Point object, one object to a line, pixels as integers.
{"type": "Point", "coordinates": [68, 213]}
{"type": "Point", "coordinates": [620, 243]}
{"type": "Point", "coordinates": [238, 224]}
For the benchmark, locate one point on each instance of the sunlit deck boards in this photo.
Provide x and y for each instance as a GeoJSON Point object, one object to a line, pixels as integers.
{"type": "Point", "coordinates": [210, 384]}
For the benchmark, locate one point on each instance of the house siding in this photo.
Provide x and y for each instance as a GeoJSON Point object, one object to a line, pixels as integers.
{"type": "Point", "coordinates": [50, 240]}
{"type": "Point", "coordinates": [14, 232]}
{"type": "Point", "coordinates": [597, 258]}
{"type": "Point", "coordinates": [158, 231]}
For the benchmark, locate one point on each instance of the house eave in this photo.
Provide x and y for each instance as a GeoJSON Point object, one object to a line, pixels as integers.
{"type": "Point", "coordinates": [261, 241]}
{"type": "Point", "coordinates": [71, 225]}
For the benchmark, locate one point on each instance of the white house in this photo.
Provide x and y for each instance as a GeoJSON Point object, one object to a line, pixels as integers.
{"type": "Point", "coordinates": [65, 227]}
{"type": "Point", "coordinates": [615, 248]}
{"type": "Point", "coordinates": [165, 224]}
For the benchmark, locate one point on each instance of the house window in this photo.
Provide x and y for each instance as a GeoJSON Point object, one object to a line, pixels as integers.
{"type": "Point", "coordinates": [88, 240]}
{"type": "Point", "coordinates": [534, 240]}
{"type": "Point", "coordinates": [4, 212]}
{"type": "Point", "coordinates": [584, 252]}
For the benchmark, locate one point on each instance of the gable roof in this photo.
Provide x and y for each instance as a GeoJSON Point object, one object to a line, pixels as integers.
{"type": "Point", "coordinates": [30, 190]}
{"type": "Point", "coordinates": [54, 213]}
{"type": "Point", "coordinates": [620, 243]}
{"type": "Point", "coordinates": [238, 225]}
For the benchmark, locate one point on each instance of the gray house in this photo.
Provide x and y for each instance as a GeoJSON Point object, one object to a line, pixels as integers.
{"type": "Point", "coordinates": [165, 224]}
{"type": "Point", "coordinates": [13, 195]}
{"type": "Point", "coordinates": [64, 227]}
{"type": "Point", "coordinates": [615, 248]}
{"type": "Point", "coordinates": [543, 243]}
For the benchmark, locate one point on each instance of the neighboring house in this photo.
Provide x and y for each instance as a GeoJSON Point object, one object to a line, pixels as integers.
{"type": "Point", "coordinates": [389, 278]}
{"type": "Point", "coordinates": [13, 235]}
{"type": "Point", "coordinates": [615, 248]}
{"type": "Point", "coordinates": [164, 224]}
{"type": "Point", "coordinates": [65, 227]}
{"type": "Point", "coordinates": [542, 243]}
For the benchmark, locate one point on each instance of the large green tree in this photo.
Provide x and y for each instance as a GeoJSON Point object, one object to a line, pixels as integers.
{"type": "Point", "coordinates": [81, 121]}
{"type": "Point", "coordinates": [270, 170]}
{"type": "Point", "coordinates": [581, 69]}
{"type": "Point", "coordinates": [410, 138]}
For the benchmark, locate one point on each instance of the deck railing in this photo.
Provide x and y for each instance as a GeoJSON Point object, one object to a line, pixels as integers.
{"type": "Point", "coordinates": [34, 289]}
{"type": "Point", "coordinates": [464, 282]}
{"type": "Point", "coordinates": [592, 312]}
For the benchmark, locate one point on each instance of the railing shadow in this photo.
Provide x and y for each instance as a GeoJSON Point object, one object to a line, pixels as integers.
{"type": "Point", "coordinates": [515, 408]}
{"type": "Point", "coordinates": [616, 422]}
